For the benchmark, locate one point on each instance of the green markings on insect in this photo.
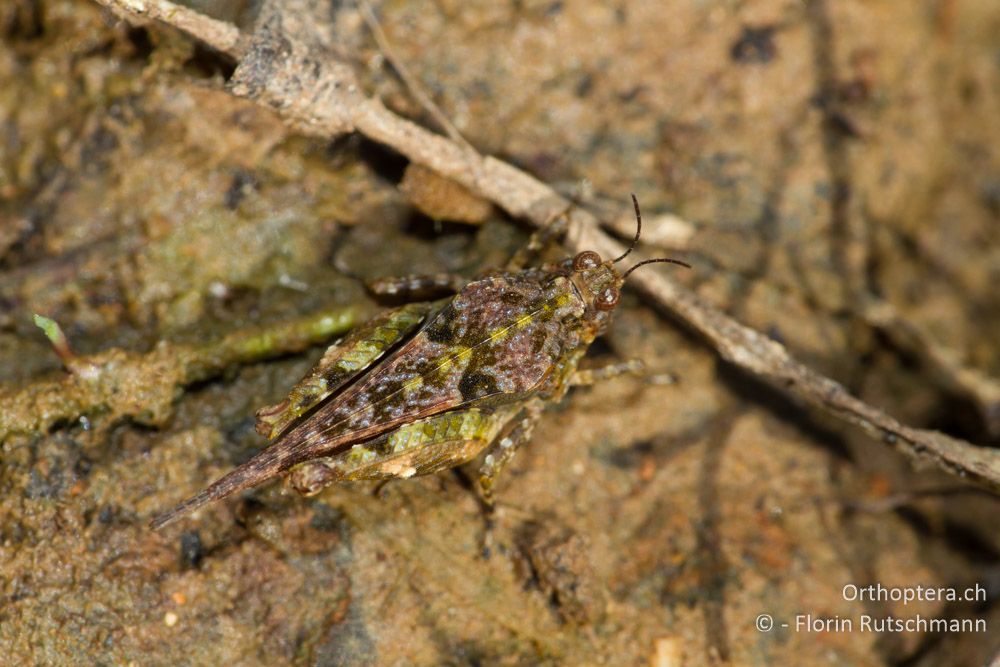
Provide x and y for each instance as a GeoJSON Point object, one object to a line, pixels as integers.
{"type": "Point", "coordinates": [429, 386]}
{"type": "Point", "coordinates": [361, 348]}
{"type": "Point", "coordinates": [464, 425]}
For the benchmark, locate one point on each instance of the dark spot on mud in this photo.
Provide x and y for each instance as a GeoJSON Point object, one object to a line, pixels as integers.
{"type": "Point", "coordinates": [95, 149]}
{"type": "Point", "coordinates": [243, 184]}
{"type": "Point", "coordinates": [106, 515]}
{"type": "Point", "coordinates": [25, 23]}
{"type": "Point", "coordinates": [192, 550]}
{"type": "Point", "coordinates": [774, 333]}
{"type": "Point", "coordinates": [328, 519]}
{"type": "Point", "coordinates": [384, 161]}
{"type": "Point", "coordinates": [141, 43]}
{"type": "Point", "coordinates": [241, 442]}
{"type": "Point", "coordinates": [842, 124]}
{"type": "Point", "coordinates": [755, 46]}
{"type": "Point", "coordinates": [629, 457]}
{"type": "Point", "coordinates": [989, 194]}
{"type": "Point", "coordinates": [82, 467]}
{"type": "Point", "coordinates": [44, 486]}
{"type": "Point", "coordinates": [207, 62]}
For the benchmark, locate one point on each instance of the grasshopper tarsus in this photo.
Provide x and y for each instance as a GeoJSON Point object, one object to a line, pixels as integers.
{"type": "Point", "coordinates": [378, 491]}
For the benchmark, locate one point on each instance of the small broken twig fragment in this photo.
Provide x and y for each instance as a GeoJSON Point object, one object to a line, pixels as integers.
{"type": "Point", "coordinates": [442, 198]}
{"type": "Point", "coordinates": [119, 383]}
{"type": "Point", "coordinates": [287, 66]}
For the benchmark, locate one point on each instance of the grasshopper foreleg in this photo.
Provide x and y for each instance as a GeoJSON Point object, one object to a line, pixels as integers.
{"type": "Point", "coordinates": [541, 239]}
{"type": "Point", "coordinates": [588, 376]}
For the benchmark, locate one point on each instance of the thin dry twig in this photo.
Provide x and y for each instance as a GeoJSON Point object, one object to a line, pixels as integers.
{"type": "Point", "coordinates": [321, 97]}
{"type": "Point", "coordinates": [220, 35]}
{"type": "Point", "coordinates": [409, 80]}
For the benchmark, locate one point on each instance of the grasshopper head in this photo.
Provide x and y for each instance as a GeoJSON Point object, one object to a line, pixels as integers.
{"type": "Point", "coordinates": [597, 280]}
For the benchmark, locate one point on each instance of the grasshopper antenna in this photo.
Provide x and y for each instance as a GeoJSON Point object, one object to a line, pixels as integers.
{"type": "Point", "coordinates": [638, 233]}
{"type": "Point", "coordinates": [638, 230]}
{"type": "Point", "coordinates": [666, 260]}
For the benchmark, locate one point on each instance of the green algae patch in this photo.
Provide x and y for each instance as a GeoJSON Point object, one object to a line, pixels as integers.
{"type": "Point", "coordinates": [118, 383]}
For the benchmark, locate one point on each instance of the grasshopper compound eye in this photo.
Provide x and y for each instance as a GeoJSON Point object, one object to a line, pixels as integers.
{"type": "Point", "coordinates": [588, 259]}
{"type": "Point", "coordinates": [607, 299]}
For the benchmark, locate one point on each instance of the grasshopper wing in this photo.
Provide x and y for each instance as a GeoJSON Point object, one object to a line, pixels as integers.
{"type": "Point", "coordinates": [342, 362]}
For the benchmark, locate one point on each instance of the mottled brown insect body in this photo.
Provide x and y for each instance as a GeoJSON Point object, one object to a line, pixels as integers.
{"type": "Point", "coordinates": [429, 386]}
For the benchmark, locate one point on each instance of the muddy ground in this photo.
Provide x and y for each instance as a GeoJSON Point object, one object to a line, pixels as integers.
{"type": "Point", "coordinates": [804, 157]}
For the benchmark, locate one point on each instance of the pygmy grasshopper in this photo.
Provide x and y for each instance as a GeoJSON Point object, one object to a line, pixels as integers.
{"type": "Point", "coordinates": [429, 386]}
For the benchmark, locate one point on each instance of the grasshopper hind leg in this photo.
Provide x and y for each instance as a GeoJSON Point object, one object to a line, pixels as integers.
{"type": "Point", "coordinates": [501, 452]}
{"type": "Point", "coordinates": [416, 287]}
{"type": "Point", "coordinates": [422, 447]}
{"type": "Point", "coordinates": [427, 446]}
